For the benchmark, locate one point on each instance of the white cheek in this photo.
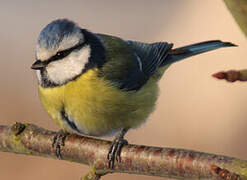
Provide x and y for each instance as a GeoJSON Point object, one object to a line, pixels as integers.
{"type": "Point", "coordinates": [68, 68]}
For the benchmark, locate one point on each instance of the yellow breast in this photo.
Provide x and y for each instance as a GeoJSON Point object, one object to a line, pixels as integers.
{"type": "Point", "coordinates": [96, 107]}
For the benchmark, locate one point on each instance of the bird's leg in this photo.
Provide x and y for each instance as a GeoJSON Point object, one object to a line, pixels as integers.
{"type": "Point", "coordinates": [58, 141]}
{"type": "Point", "coordinates": [115, 149]}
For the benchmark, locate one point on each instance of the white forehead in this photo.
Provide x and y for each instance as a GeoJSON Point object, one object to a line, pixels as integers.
{"type": "Point", "coordinates": [43, 53]}
{"type": "Point", "coordinates": [59, 35]}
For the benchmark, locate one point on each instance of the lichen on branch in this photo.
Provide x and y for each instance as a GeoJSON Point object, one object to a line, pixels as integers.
{"type": "Point", "coordinates": [135, 159]}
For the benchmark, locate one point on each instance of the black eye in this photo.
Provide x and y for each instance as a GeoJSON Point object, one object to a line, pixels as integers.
{"type": "Point", "coordinates": [61, 55]}
{"type": "Point", "coordinates": [64, 53]}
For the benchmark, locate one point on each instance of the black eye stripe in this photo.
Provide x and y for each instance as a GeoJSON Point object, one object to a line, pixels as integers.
{"type": "Point", "coordinates": [64, 53]}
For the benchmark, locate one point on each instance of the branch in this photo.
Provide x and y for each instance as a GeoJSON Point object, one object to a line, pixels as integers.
{"type": "Point", "coordinates": [232, 75]}
{"type": "Point", "coordinates": [136, 159]}
{"type": "Point", "coordinates": [238, 9]}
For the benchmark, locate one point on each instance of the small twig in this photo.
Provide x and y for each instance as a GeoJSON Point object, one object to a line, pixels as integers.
{"type": "Point", "coordinates": [135, 159]}
{"type": "Point", "coordinates": [232, 75]}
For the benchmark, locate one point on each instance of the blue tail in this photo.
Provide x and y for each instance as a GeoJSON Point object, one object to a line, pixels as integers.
{"type": "Point", "coordinates": [194, 49]}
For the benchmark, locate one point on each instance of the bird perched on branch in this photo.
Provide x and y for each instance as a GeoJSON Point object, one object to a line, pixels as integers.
{"type": "Point", "coordinates": [101, 85]}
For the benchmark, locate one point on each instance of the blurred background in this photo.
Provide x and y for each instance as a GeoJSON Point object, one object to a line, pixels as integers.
{"type": "Point", "coordinates": [194, 110]}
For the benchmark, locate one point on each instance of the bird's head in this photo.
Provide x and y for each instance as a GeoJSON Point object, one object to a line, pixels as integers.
{"type": "Point", "coordinates": [63, 52]}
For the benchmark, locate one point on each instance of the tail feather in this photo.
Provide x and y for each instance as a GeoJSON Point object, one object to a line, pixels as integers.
{"type": "Point", "coordinates": [194, 49]}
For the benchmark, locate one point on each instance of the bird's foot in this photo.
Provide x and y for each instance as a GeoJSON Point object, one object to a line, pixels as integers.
{"type": "Point", "coordinates": [58, 142]}
{"type": "Point", "coordinates": [115, 149]}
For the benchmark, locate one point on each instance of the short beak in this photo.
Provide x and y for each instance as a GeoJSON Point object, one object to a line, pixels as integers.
{"type": "Point", "coordinates": [38, 65]}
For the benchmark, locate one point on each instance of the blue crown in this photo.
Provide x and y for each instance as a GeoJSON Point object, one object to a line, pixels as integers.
{"type": "Point", "coordinates": [51, 36]}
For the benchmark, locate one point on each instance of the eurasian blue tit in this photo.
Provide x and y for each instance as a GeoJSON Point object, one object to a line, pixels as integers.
{"type": "Point", "coordinates": [100, 85]}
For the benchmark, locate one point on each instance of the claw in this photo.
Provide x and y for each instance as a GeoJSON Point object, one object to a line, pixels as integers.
{"type": "Point", "coordinates": [58, 142]}
{"type": "Point", "coordinates": [118, 150]}
{"type": "Point", "coordinates": [115, 149]}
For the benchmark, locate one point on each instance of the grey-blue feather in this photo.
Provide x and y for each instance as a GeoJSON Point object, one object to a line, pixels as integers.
{"type": "Point", "coordinates": [151, 55]}
{"type": "Point", "coordinates": [148, 58]}
{"type": "Point", "coordinates": [155, 55]}
{"type": "Point", "coordinates": [51, 36]}
{"type": "Point", "coordinates": [194, 49]}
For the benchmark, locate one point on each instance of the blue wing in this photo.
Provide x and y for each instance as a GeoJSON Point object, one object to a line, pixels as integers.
{"type": "Point", "coordinates": [129, 64]}
{"type": "Point", "coordinates": [152, 56]}
{"type": "Point", "coordinates": [149, 57]}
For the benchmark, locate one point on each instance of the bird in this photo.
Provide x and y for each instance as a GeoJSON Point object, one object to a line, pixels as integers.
{"type": "Point", "coordinates": [101, 85]}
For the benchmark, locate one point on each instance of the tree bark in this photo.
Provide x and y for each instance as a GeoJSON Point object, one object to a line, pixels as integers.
{"type": "Point", "coordinates": [135, 159]}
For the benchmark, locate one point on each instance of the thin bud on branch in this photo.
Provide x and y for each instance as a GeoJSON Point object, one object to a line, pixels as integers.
{"type": "Point", "coordinates": [232, 75]}
{"type": "Point", "coordinates": [135, 159]}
